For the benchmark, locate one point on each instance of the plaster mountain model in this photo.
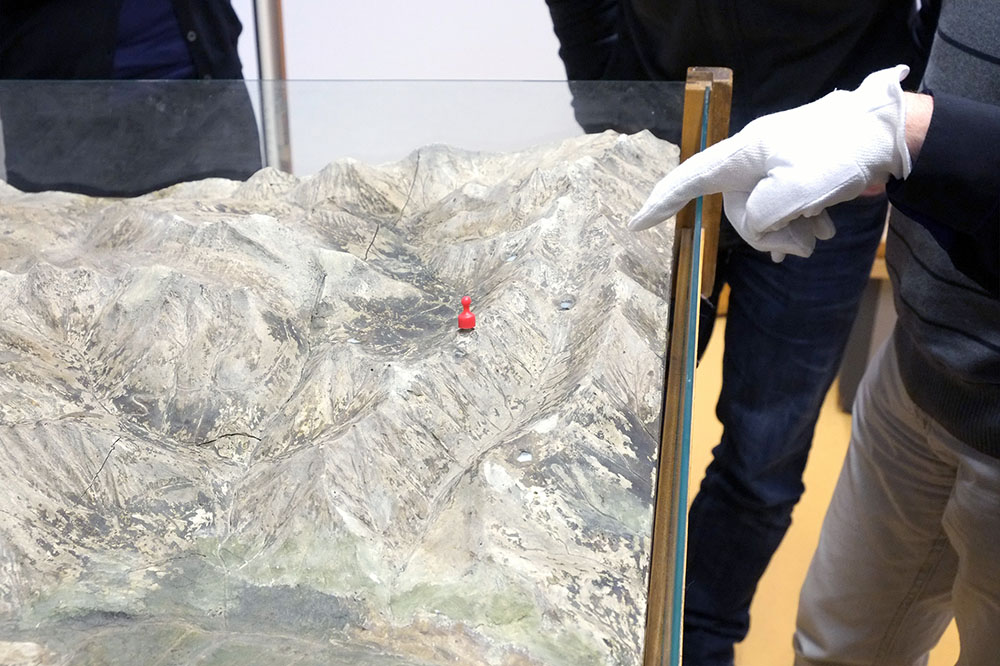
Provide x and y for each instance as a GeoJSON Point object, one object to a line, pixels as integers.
{"type": "Point", "coordinates": [239, 423]}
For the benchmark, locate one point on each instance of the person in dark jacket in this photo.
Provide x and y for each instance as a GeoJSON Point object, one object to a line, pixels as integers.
{"type": "Point", "coordinates": [788, 322]}
{"type": "Point", "coordinates": [123, 139]}
{"type": "Point", "coordinates": [912, 535]}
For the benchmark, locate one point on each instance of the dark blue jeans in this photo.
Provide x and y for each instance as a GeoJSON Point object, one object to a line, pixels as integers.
{"type": "Point", "coordinates": [786, 330]}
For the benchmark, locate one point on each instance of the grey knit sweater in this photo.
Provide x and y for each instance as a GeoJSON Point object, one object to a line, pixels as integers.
{"type": "Point", "coordinates": [943, 237]}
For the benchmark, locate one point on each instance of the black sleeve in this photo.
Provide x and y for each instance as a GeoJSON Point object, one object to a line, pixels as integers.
{"type": "Point", "coordinates": [954, 187]}
{"type": "Point", "coordinates": [57, 39]}
{"type": "Point", "coordinates": [956, 179]}
{"type": "Point", "coordinates": [587, 31]}
{"type": "Point", "coordinates": [216, 31]}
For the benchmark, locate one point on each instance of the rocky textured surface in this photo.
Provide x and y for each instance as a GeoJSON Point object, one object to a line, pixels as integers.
{"type": "Point", "coordinates": [238, 423]}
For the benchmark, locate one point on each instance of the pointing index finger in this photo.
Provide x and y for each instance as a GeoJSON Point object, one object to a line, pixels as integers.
{"type": "Point", "coordinates": [719, 168]}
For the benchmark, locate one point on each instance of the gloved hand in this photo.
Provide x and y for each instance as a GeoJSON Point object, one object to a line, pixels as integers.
{"type": "Point", "coordinates": [782, 171]}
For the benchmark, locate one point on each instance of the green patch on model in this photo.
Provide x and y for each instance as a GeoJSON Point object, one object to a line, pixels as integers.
{"type": "Point", "coordinates": [509, 617]}
{"type": "Point", "coordinates": [332, 563]}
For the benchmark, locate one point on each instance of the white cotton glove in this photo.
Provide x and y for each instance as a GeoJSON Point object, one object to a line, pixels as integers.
{"type": "Point", "coordinates": [782, 171]}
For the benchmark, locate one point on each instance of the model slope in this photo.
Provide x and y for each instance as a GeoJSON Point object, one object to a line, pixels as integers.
{"type": "Point", "coordinates": [238, 422]}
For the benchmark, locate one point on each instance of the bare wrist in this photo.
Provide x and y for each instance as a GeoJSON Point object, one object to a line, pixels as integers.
{"type": "Point", "coordinates": [919, 109]}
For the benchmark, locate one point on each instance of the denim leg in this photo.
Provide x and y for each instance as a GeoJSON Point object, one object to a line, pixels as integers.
{"type": "Point", "coordinates": [785, 333]}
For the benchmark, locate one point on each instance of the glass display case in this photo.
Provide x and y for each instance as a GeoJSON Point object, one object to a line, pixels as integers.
{"type": "Point", "coordinates": [240, 422]}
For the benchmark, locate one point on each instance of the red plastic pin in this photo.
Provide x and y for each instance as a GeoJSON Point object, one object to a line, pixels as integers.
{"type": "Point", "coordinates": [466, 320]}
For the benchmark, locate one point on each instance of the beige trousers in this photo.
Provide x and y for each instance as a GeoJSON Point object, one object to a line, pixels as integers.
{"type": "Point", "coordinates": [910, 540]}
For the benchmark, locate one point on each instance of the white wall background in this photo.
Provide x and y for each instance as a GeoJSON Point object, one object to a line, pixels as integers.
{"type": "Point", "coordinates": [403, 40]}
{"type": "Point", "coordinates": [412, 39]}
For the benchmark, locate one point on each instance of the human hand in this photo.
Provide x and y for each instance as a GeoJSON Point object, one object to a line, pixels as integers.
{"type": "Point", "coordinates": [781, 172]}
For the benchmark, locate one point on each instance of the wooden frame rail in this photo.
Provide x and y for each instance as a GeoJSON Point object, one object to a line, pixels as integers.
{"type": "Point", "coordinates": [692, 277]}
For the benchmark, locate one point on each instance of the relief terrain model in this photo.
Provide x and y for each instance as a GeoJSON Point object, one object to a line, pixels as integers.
{"type": "Point", "coordinates": [239, 423]}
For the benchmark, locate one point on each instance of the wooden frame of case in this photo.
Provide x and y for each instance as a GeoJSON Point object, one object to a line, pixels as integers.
{"type": "Point", "coordinates": [666, 572]}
